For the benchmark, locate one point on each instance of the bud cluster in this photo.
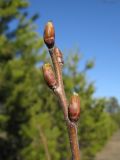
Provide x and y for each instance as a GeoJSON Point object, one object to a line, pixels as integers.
{"type": "Point", "coordinates": [49, 39]}
{"type": "Point", "coordinates": [71, 112]}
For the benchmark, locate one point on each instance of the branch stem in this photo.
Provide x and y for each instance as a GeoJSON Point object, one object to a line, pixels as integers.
{"type": "Point", "coordinates": [60, 93]}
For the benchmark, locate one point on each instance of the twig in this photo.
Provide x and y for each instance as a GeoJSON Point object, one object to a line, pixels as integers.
{"type": "Point", "coordinates": [44, 141]}
{"type": "Point", "coordinates": [72, 110]}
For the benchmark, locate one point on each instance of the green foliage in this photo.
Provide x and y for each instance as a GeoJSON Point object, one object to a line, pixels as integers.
{"type": "Point", "coordinates": [112, 105]}
{"type": "Point", "coordinates": [32, 126]}
{"type": "Point", "coordinates": [94, 119]}
{"type": "Point", "coordinates": [22, 117]}
{"type": "Point", "coordinates": [89, 64]}
{"type": "Point", "coordinates": [113, 108]}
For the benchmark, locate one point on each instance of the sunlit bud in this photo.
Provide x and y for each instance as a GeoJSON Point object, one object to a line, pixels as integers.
{"type": "Point", "coordinates": [49, 76]}
{"type": "Point", "coordinates": [59, 55]}
{"type": "Point", "coordinates": [74, 108]}
{"type": "Point", "coordinates": [49, 35]}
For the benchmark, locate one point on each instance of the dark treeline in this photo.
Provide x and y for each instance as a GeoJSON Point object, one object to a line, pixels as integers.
{"type": "Point", "coordinates": [31, 123]}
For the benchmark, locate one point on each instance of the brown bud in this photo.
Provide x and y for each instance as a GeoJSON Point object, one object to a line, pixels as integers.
{"type": "Point", "coordinates": [74, 108]}
{"type": "Point", "coordinates": [49, 35]}
{"type": "Point", "coordinates": [59, 56]}
{"type": "Point", "coordinates": [49, 76]}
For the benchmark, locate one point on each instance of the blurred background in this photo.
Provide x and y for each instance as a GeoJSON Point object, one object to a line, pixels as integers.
{"type": "Point", "coordinates": [32, 126]}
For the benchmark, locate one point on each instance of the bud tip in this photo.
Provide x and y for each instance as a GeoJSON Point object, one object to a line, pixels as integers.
{"type": "Point", "coordinates": [49, 34]}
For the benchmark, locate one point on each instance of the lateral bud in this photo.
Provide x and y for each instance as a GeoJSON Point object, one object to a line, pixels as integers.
{"type": "Point", "coordinates": [49, 35]}
{"type": "Point", "coordinates": [74, 108]}
{"type": "Point", "coordinates": [49, 76]}
{"type": "Point", "coordinates": [59, 56]}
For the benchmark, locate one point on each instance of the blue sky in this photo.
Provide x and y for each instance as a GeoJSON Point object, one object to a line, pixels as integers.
{"type": "Point", "coordinates": [93, 26]}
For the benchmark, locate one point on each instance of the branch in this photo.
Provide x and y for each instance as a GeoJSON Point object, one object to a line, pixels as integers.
{"type": "Point", "coordinates": [71, 111]}
{"type": "Point", "coordinates": [44, 142]}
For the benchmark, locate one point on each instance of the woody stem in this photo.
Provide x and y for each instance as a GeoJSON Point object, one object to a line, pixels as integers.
{"type": "Point", "coordinates": [60, 93]}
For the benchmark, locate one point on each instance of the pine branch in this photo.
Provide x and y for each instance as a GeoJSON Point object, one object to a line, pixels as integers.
{"type": "Point", "coordinates": [44, 142]}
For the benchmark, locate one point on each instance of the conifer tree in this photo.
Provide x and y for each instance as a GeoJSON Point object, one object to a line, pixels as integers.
{"type": "Point", "coordinates": [26, 135]}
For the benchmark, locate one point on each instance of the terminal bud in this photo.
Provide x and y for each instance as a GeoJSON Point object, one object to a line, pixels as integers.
{"type": "Point", "coordinates": [49, 76]}
{"type": "Point", "coordinates": [74, 108]}
{"type": "Point", "coordinates": [49, 35]}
